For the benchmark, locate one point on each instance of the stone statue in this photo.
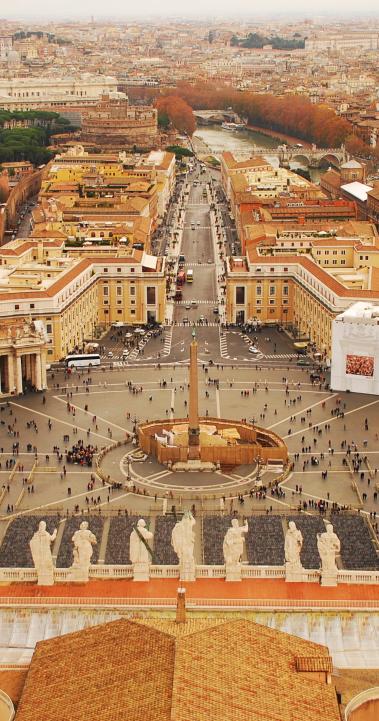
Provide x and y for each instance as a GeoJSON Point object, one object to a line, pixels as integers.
{"type": "Point", "coordinates": [183, 543]}
{"type": "Point", "coordinates": [140, 551]}
{"type": "Point", "coordinates": [233, 549]}
{"type": "Point", "coordinates": [41, 554]}
{"type": "Point", "coordinates": [83, 540]}
{"type": "Point", "coordinates": [328, 546]}
{"type": "Point", "coordinates": [292, 547]}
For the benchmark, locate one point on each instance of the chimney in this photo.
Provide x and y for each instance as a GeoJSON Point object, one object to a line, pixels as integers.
{"type": "Point", "coordinates": [181, 606]}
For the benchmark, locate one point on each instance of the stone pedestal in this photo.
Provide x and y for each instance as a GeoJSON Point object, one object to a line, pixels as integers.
{"type": "Point", "coordinates": [79, 574]}
{"type": "Point", "coordinates": [328, 579]}
{"type": "Point", "coordinates": [233, 572]}
{"type": "Point", "coordinates": [294, 574]}
{"type": "Point", "coordinates": [141, 572]}
{"type": "Point", "coordinates": [45, 578]}
{"type": "Point", "coordinates": [187, 571]}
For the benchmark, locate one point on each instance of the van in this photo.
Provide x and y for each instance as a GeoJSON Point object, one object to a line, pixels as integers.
{"type": "Point", "coordinates": [182, 259]}
{"type": "Point", "coordinates": [125, 354]}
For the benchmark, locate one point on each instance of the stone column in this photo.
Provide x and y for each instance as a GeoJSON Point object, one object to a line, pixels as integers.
{"type": "Point", "coordinates": [11, 386]}
{"type": "Point", "coordinates": [38, 377]}
{"type": "Point", "coordinates": [193, 420]}
{"type": "Point", "coordinates": [43, 371]}
{"type": "Point", "coordinates": [28, 366]}
{"type": "Point", "coordinates": [18, 375]}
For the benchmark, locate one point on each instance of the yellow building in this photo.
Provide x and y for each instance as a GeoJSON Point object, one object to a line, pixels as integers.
{"type": "Point", "coordinates": [294, 290]}
{"type": "Point", "coordinates": [75, 296]}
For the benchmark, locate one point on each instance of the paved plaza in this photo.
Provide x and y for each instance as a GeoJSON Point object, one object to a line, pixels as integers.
{"type": "Point", "coordinates": [105, 405]}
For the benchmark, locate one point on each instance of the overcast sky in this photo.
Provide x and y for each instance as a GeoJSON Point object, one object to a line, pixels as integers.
{"type": "Point", "coordinates": [215, 8]}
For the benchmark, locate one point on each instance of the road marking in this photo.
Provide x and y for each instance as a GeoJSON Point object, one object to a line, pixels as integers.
{"type": "Point", "coordinates": [58, 420]}
{"type": "Point", "coordinates": [303, 410]}
{"type": "Point", "coordinates": [218, 411]}
{"type": "Point", "coordinates": [99, 418]}
{"type": "Point", "coordinates": [330, 420]}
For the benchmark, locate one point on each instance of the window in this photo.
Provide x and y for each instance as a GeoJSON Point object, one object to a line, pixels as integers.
{"type": "Point", "coordinates": [258, 290]}
{"type": "Point", "coordinates": [118, 269]}
{"type": "Point", "coordinates": [49, 328]}
{"type": "Point", "coordinates": [119, 290]}
{"type": "Point", "coordinates": [258, 302]}
{"type": "Point", "coordinates": [105, 270]}
{"type": "Point", "coordinates": [119, 312]}
{"type": "Point", "coordinates": [132, 270]}
{"type": "Point", "coordinates": [272, 302]}
{"type": "Point", "coordinates": [31, 305]}
{"type": "Point", "coordinates": [150, 295]}
{"type": "Point", "coordinates": [106, 302]}
{"type": "Point", "coordinates": [132, 290]}
{"type": "Point", "coordinates": [133, 311]}
{"type": "Point", "coordinates": [240, 295]}
{"type": "Point", "coordinates": [17, 307]}
{"type": "Point", "coordinates": [272, 289]}
{"type": "Point", "coordinates": [285, 289]}
{"type": "Point", "coordinates": [132, 302]}
{"type": "Point", "coordinates": [106, 290]}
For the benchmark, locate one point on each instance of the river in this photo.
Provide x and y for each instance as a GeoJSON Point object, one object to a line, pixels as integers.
{"type": "Point", "coordinates": [218, 139]}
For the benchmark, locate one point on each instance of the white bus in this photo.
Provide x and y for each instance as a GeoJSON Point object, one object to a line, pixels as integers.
{"type": "Point", "coordinates": [82, 360]}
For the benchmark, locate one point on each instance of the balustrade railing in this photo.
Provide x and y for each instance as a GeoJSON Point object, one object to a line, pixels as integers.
{"type": "Point", "coordinates": [62, 575]}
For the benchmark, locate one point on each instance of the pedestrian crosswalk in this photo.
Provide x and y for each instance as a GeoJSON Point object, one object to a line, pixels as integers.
{"type": "Point", "coordinates": [223, 347]}
{"type": "Point", "coordinates": [167, 342]}
{"type": "Point", "coordinates": [197, 264]}
{"type": "Point", "coordinates": [203, 301]}
{"type": "Point", "coordinates": [199, 324]}
{"type": "Point", "coordinates": [281, 355]}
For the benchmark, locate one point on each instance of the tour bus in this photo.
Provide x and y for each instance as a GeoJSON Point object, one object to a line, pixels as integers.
{"type": "Point", "coordinates": [189, 275]}
{"type": "Point", "coordinates": [181, 278]}
{"type": "Point", "coordinates": [82, 360]}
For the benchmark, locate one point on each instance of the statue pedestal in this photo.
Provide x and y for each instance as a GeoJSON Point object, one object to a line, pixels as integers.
{"type": "Point", "coordinates": [294, 574]}
{"type": "Point", "coordinates": [328, 579]}
{"type": "Point", "coordinates": [45, 578]}
{"type": "Point", "coordinates": [79, 574]}
{"type": "Point", "coordinates": [187, 572]}
{"type": "Point", "coordinates": [233, 572]}
{"type": "Point", "coordinates": [141, 572]}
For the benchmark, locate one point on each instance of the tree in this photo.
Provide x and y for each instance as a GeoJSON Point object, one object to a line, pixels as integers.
{"type": "Point", "coordinates": [179, 113]}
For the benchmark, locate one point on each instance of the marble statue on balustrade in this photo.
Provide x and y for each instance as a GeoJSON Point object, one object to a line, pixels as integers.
{"type": "Point", "coordinates": [40, 546]}
{"type": "Point", "coordinates": [183, 543]}
{"type": "Point", "coordinates": [233, 547]}
{"type": "Point", "coordinates": [83, 540]}
{"type": "Point", "coordinates": [293, 544]}
{"type": "Point", "coordinates": [329, 547]}
{"type": "Point", "coordinates": [140, 552]}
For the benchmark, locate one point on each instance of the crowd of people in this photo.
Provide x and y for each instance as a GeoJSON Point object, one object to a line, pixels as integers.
{"type": "Point", "coordinates": [81, 454]}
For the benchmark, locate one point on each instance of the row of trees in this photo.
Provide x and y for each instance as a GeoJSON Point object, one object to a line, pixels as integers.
{"type": "Point", "coordinates": [174, 110]}
{"type": "Point", "coordinates": [291, 115]}
{"type": "Point", "coordinates": [255, 40]}
{"type": "Point", "coordinates": [24, 144]}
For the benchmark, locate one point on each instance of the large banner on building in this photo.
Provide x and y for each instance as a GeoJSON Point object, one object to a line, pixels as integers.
{"type": "Point", "coordinates": [360, 365]}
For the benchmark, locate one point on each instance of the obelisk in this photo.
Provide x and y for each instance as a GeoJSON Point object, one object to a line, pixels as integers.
{"type": "Point", "coordinates": [193, 417]}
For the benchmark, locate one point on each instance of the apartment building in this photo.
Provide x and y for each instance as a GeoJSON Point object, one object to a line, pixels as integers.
{"type": "Point", "coordinates": [73, 295]}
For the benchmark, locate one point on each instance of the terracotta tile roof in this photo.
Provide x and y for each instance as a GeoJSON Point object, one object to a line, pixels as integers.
{"type": "Point", "coordinates": [128, 671]}
{"type": "Point", "coordinates": [12, 682]}
{"type": "Point", "coordinates": [314, 663]}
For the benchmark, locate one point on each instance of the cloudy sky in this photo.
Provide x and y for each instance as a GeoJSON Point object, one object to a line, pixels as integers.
{"type": "Point", "coordinates": [215, 8]}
